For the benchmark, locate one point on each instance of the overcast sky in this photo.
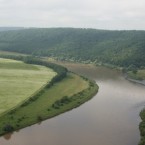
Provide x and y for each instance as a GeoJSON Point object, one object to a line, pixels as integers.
{"type": "Point", "coordinates": [100, 14]}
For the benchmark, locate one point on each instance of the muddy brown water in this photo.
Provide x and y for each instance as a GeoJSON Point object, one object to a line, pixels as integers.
{"type": "Point", "coordinates": [110, 118]}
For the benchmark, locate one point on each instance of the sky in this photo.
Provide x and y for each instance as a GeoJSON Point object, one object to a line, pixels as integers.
{"type": "Point", "coordinates": [99, 14]}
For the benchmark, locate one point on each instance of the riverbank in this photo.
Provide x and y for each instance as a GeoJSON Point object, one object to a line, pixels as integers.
{"type": "Point", "coordinates": [142, 127]}
{"type": "Point", "coordinates": [142, 82]}
{"type": "Point", "coordinates": [63, 96]}
{"type": "Point", "coordinates": [137, 75]}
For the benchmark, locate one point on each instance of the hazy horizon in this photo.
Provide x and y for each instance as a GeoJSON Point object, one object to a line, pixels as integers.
{"type": "Point", "coordinates": [27, 27]}
{"type": "Point", "coordinates": [95, 14]}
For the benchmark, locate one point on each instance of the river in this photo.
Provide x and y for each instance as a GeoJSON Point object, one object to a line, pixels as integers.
{"type": "Point", "coordinates": [110, 118]}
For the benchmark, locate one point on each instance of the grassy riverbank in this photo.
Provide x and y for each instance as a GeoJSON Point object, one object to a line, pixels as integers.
{"type": "Point", "coordinates": [63, 96]}
{"type": "Point", "coordinates": [139, 75]}
{"type": "Point", "coordinates": [62, 93]}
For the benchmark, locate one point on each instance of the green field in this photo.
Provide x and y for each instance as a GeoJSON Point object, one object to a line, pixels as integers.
{"type": "Point", "coordinates": [18, 81]}
{"type": "Point", "coordinates": [140, 75]}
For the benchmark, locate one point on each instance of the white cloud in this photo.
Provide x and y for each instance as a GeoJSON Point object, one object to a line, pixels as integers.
{"type": "Point", "coordinates": [105, 14]}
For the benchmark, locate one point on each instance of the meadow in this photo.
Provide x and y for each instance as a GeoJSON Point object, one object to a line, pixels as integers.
{"type": "Point", "coordinates": [139, 75]}
{"type": "Point", "coordinates": [18, 81]}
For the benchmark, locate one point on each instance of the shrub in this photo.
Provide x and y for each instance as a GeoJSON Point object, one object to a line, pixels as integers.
{"type": "Point", "coordinates": [8, 128]}
{"type": "Point", "coordinates": [39, 118]}
{"type": "Point", "coordinates": [48, 109]}
{"type": "Point", "coordinates": [65, 99]}
{"type": "Point", "coordinates": [61, 102]}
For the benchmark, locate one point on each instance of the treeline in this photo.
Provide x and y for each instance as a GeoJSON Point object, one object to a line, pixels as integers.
{"type": "Point", "coordinates": [121, 48]}
{"type": "Point", "coordinates": [15, 57]}
{"type": "Point", "coordinates": [60, 70]}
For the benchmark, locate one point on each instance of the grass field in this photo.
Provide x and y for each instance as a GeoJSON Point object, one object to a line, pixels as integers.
{"type": "Point", "coordinates": [140, 75]}
{"type": "Point", "coordinates": [18, 81]}
{"type": "Point", "coordinates": [73, 86]}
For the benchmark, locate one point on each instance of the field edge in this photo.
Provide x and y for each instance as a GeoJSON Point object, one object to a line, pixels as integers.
{"type": "Point", "coordinates": [68, 103]}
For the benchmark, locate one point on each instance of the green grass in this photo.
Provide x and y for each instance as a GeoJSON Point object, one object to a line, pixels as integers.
{"type": "Point", "coordinates": [140, 75]}
{"type": "Point", "coordinates": [79, 90]}
{"type": "Point", "coordinates": [18, 81]}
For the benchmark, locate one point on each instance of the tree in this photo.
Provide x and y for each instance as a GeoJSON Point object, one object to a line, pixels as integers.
{"type": "Point", "coordinates": [8, 128]}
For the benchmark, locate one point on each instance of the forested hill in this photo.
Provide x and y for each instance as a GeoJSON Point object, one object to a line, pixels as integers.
{"type": "Point", "coordinates": [123, 48]}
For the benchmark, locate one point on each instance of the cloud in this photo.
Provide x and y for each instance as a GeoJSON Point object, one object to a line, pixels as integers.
{"type": "Point", "coordinates": [105, 14]}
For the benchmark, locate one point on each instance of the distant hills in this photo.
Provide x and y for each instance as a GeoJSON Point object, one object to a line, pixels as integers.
{"type": "Point", "coordinates": [10, 28]}
{"type": "Point", "coordinates": [121, 48]}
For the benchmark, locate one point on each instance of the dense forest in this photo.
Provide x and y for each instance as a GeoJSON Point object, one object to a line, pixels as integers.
{"type": "Point", "coordinates": [121, 48]}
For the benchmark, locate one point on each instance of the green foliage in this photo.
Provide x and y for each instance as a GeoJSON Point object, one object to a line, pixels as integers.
{"type": "Point", "coordinates": [137, 74]}
{"type": "Point", "coordinates": [60, 70]}
{"type": "Point", "coordinates": [8, 128]}
{"type": "Point", "coordinates": [132, 68]}
{"type": "Point", "coordinates": [134, 71]}
{"type": "Point", "coordinates": [39, 118]}
{"type": "Point", "coordinates": [64, 100]}
{"type": "Point", "coordinates": [142, 127]}
{"type": "Point", "coordinates": [121, 48]}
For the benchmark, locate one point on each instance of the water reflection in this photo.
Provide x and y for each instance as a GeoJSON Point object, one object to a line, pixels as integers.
{"type": "Point", "coordinates": [8, 136]}
{"type": "Point", "coordinates": [110, 118]}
